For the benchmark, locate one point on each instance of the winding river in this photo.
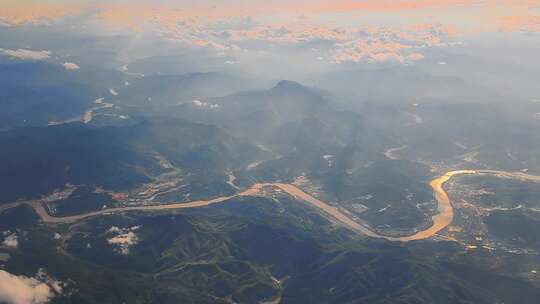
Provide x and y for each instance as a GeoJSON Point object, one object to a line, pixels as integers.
{"type": "Point", "coordinates": [440, 220]}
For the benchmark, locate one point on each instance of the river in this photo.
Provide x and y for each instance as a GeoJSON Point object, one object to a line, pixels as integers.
{"type": "Point", "coordinates": [440, 221]}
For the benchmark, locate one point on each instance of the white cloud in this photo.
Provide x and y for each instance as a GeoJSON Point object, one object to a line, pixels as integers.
{"type": "Point", "coordinates": [70, 66]}
{"type": "Point", "coordinates": [24, 290]}
{"type": "Point", "coordinates": [124, 239]}
{"type": "Point", "coordinates": [203, 104]}
{"type": "Point", "coordinates": [11, 241]}
{"type": "Point", "coordinates": [338, 44]}
{"type": "Point", "coordinates": [25, 54]}
{"type": "Point", "coordinates": [114, 229]}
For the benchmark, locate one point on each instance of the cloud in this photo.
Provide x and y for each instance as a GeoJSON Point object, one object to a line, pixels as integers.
{"type": "Point", "coordinates": [37, 12]}
{"type": "Point", "coordinates": [385, 44]}
{"type": "Point", "coordinates": [11, 241]}
{"type": "Point", "coordinates": [387, 57]}
{"type": "Point", "coordinates": [388, 5]}
{"type": "Point", "coordinates": [342, 30]}
{"type": "Point", "coordinates": [519, 24]}
{"type": "Point", "coordinates": [178, 15]}
{"type": "Point", "coordinates": [203, 104]}
{"type": "Point", "coordinates": [339, 44]}
{"type": "Point", "coordinates": [114, 229]}
{"type": "Point", "coordinates": [70, 66]}
{"type": "Point", "coordinates": [25, 290]}
{"type": "Point", "coordinates": [394, 32]}
{"type": "Point", "coordinates": [124, 239]}
{"type": "Point", "coordinates": [415, 57]}
{"type": "Point", "coordinates": [25, 54]}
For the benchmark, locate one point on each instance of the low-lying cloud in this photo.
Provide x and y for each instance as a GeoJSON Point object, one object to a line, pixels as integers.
{"type": "Point", "coordinates": [70, 66]}
{"type": "Point", "coordinates": [203, 104]}
{"type": "Point", "coordinates": [24, 54]}
{"type": "Point", "coordinates": [11, 240]}
{"type": "Point", "coordinates": [27, 290]}
{"type": "Point", "coordinates": [123, 240]}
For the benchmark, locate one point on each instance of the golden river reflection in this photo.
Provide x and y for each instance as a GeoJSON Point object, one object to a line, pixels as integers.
{"type": "Point", "coordinates": [440, 220]}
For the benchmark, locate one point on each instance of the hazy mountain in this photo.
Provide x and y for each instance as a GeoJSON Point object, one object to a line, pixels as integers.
{"type": "Point", "coordinates": [407, 85]}
{"type": "Point", "coordinates": [269, 153]}
{"type": "Point", "coordinates": [160, 90]}
{"type": "Point", "coordinates": [38, 93]}
{"type": "Point", "coordinates": [37, 161]}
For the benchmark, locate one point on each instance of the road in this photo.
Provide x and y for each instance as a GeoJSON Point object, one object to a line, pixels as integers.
{"type": "Point", "coordinates": [440, 220]}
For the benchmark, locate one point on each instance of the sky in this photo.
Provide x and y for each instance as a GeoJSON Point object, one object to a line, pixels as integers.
{"type": "Point", "coordinates": [465, 15]}
{"type": "Point", "coordinates": [315, 33]}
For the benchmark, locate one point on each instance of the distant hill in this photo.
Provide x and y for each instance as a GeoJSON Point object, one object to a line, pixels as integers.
{"type": "Point", "coordinates": [286, 117]}
{"type": "Point", "coordinates": [405, 85]}
{"type": "Point", "coordinates": [36, 161]}
{"type": "Point", "coordinates": [36, 93]}
{"type": "Point", "coordinates": [160, 90]}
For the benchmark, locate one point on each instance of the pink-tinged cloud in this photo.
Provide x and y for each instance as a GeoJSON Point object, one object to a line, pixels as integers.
{"type": "Point", "coordinates": [70, 66]}
{"type": "Point", "coordinates": [26, 290]}
{"type": "Point", "coordinates": [519, 24]}
{"type": "Point", "coordinates": [415, 57]}
{"type": "Point", "coordinates": [24, 54]}
{"type": "Point", "coordinates": [388, 5]}
{"type": "Point", "coordinates": [214, 25]}
{"type": "Point", "coordinates": [11, 241]}
{"type": "Point", "coordinates": [179, 16]}
{"type": "Point", "coordinates": [22, 11]}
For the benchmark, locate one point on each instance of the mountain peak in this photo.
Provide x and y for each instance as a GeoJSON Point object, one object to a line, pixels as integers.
{"type": "Point", "coordinates": [289, 85]}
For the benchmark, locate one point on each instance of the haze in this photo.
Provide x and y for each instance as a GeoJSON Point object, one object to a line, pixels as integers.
{"type": "Point", "coordinates": [359, 151]}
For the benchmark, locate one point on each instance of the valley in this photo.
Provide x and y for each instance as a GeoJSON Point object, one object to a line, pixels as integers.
{"type": "Point", "coordinates": [281, 152]}
{"type": "Point", "coordinates": [441, 220]}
